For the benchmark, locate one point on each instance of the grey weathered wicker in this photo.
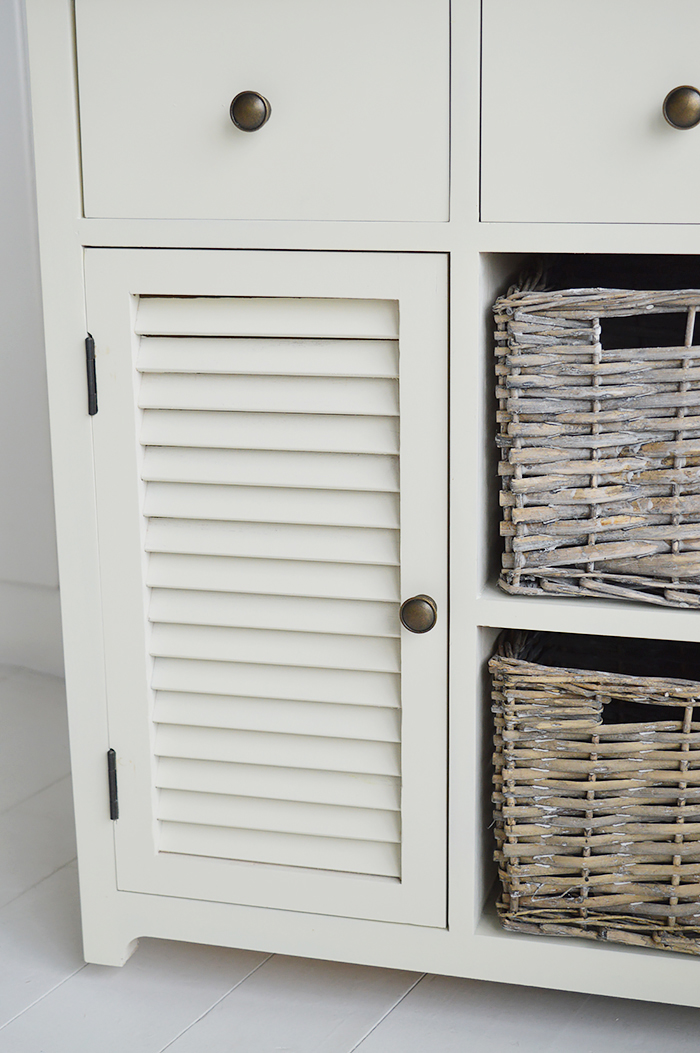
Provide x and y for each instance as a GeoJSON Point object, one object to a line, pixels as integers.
{"type": "Point", "coordinates": [600, 448]}
{"type": "Point", "coordinates": [597, 809]}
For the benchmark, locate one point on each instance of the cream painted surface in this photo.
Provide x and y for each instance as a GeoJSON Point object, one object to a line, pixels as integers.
{"type": "Point", "coordinates": [473, 945]}
{"type": "Point", "coordinates": [353, 820]}
{"type": "Point", "coordinates": [360, 109]}
{"type": "Point", "coordinates": [572, 125]}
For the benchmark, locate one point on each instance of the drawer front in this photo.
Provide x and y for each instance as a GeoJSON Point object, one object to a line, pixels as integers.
{"type": "Point", "coordinates": [359, 95]}
{"type": "Point", "coordinates": [572, 122]}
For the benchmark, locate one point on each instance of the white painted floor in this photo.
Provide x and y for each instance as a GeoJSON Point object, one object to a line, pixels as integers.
{"type": "Point", "coordinates": [192, 999]}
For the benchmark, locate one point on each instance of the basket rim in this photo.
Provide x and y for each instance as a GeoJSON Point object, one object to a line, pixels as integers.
{"type": "Point", "coordinates": [582, 675]}
{"type": "Point", "coordinates": [592, 301]}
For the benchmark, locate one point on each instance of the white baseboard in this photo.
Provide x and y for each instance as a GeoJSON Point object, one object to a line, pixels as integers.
{"type": "Point", "coordinates": [30, 627]}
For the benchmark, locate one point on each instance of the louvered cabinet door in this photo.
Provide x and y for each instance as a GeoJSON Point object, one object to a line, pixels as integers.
{"type": "Point", "coordinates": [270, 461]}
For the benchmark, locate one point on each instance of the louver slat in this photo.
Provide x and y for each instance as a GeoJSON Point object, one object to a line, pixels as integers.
{"type": "Point", "coordinates": [293, 817]}
{"type": "Point", "coordinates": [277, 681]}
{"type": "Point", "coordinates": [271, 431]}
{"type": "Point", "coordinates": [272, 505]}
{"type": "Point", "coordinates": [319, 358]}
{"type": "Point", "coordinates": [282, 541]}
{"type": "Point", "coordinates": [293, 613]}
{"type": "Point", "coordinates": [280, 784]}
{"type": "Point", "coordinates": [269, 646]}
{"type": "Point", "coordinates": [282, 716]}
{"type": "Point", "coordinates": [263, 846]}
{"type": "Point", "coordinates": [283, 577]}
{"type": "Point", "coordinates": [285, 751]}
{"type": "Point", "coordinates": [270, 439]}
{"type": "Point", "coordinates": [335, 471]}
{"type": "Point", "coordinates": [262, 316]}
{"type": "Point", "coordinates": [322, 395]}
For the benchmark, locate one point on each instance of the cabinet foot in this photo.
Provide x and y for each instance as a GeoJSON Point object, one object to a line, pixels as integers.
{"type": "Point", "coordinates": [104, 950]}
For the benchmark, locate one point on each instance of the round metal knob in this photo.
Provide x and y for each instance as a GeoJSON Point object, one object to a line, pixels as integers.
{"type": "Point", "coordinates": [682, 107]}
{"type": "Point", "coordinates": [250, 110]}
{"type": "Point", "coordinates": [419, 614]}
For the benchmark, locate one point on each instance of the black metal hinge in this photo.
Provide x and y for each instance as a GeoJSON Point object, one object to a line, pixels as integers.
{"type": "Point", "coordinates": [91, 375]}
{"type": "Point", "coordinates": [112, 778]}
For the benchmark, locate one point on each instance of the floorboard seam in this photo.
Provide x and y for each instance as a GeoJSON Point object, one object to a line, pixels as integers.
{"type": "Point", "coordinates": [42, 997]}
{"type": "Point", "coordinates": [36, 884]}
{"type": "Point", "coordinates": [214, 1004]}
{"type": "Point", "coordinates": [385, 1015]}
{"type": "Point", "coordinates": [18, 804]}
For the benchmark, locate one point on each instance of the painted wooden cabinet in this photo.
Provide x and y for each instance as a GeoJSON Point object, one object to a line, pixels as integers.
{"type": "Point", "coordinates": [293, 360]}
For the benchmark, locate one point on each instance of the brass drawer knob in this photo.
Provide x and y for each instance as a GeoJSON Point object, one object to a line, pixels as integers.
{"type": "Point", "coordinates": [682, 107]}
{"type": "Point", "coordinates": [419, 614]}
{"type": "Point", "coordinates": [250, 110]}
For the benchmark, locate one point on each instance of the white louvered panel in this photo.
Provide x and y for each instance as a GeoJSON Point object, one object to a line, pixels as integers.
{"type": "Point", "coordinates": [282, 541]}
{"type": "Point", "coordinates": [260, 501]}
{"type": "Point", "coordinates": [335, 471]}
{"type": "Point", "coordinates": [278, 681]}
{"type": "Point", "coordinates": [293, 613]}
{"type": "Point", "coordinates": [263, 316]}
{"type": "Point", "coordinates": [332, 395]}
{"type": "Point", "coordinates": [293, 817]}
{"type": "Point", "coordinates": [280, 784]}
{"type": "Point", "coordinates": [284, 751]}
{"type": "Point", "coordinates": [281, 652]}
{"type": "Point", "coordinates": [278, 715]}
{"type": "Point", "coordinates": [283, 357]}
{"type": "Point", "coordinates": [271, 431]}
{"type": "Point", "coordinates": [296, 850]}
{"type": "Point", "coordinates": [272, 504]}
{"type": "Point", "coordinates": [286, 577]}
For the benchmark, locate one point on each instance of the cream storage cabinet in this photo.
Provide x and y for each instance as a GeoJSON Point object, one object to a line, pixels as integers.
{"type": "Point", "coordinates": [294, 437]}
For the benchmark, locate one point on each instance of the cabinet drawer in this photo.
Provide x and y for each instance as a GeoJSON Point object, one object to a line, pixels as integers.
{"type": "Point", "coordinates": [359, 128]}
{"type": "Point", "coordinates": [572, 122]}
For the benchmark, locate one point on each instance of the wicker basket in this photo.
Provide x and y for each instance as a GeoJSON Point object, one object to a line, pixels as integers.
{"type": "Point", "coordinates": [597, 788]}
{"type": "Point", "coordinates": [600, 447]}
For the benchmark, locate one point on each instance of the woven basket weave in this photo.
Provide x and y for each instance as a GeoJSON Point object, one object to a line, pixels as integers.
{"type": "Point", "coordinates": [600, 448]}
{"type": "Point", "coordinates": [597, 788]}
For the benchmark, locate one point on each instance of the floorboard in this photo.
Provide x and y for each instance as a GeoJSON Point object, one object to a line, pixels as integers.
{"type": "Point", "coordinates": [298, 1005]}
{"type": "Point", "coordinates": [139, 1008]}
{"type": "Point", "coordinates": [39, 839]}
{"type": "Point", "coordinates": [40, 943]}
{"type": "Point", "coordinates": [442, 1013]}
{"type": "Point", "coordinates": [34, 741]}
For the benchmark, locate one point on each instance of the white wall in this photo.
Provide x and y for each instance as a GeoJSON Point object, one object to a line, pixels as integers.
{"type": "Point", "coordinates": [30, 632]}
